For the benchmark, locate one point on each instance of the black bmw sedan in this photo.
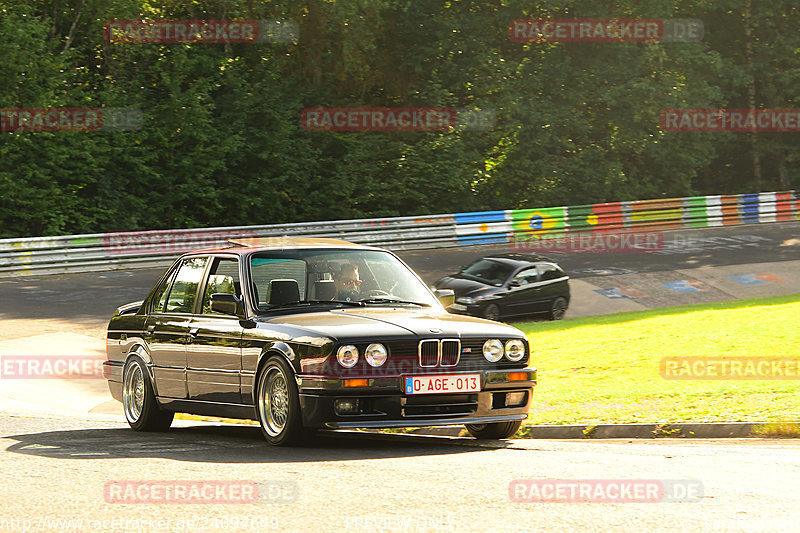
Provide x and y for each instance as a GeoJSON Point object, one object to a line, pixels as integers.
{"type": "Point", "coordinates": [507, 285]}
{"type": "Point", "coordinates": [304, 334]}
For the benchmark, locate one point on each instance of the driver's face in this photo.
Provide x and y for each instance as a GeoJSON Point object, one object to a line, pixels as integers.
{"type": "Point", "coordinates": [348, 280]}
{"type": "Point", "coordinates": [351, 283]}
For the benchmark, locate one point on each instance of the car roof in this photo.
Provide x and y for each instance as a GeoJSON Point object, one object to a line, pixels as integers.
{"type": "Point", "coordinates": [519, 259]}
{"type": "Point", "coordinates": [255, 244]}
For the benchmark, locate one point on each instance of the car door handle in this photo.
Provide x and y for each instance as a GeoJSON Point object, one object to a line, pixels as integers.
{"type": "Point", "coordinates": [150, 330]}
{"type": "Point", "coordinates": [193, 332]}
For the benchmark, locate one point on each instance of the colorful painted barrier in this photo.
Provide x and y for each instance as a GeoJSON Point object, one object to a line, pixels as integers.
{"type": "Point", "coordinates": [124, 250]}
{"type": "Point", "coordinates": [653, 215]}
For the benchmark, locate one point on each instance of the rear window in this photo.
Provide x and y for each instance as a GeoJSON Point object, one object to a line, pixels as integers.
{"type": "Point", "coordinates": [266, 269]}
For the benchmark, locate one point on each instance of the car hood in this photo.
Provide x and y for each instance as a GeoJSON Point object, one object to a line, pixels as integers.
{"type": "Point", "coordinates": [464, 287]}
{"type": "Point", "coordinates": [382, 322]}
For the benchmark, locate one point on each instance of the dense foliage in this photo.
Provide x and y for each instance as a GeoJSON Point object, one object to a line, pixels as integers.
{"type": "Point", "coordinates": [221, 141]}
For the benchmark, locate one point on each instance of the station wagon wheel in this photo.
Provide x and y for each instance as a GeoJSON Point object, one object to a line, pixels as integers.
{"type": "Point", "coordinates": [494, 430]}
{"type": "Point", "coordinates": [278, 404]}
{"type": "Point", "coordinates": [558, 308]}
{"type": "Point", "coordinates": [492, 312]}
{"type": "Point", "coordinates": [138, 400]}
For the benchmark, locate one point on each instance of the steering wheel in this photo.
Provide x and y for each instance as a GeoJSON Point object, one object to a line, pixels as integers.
{"type": "Point", "coordinates": [378, 292]}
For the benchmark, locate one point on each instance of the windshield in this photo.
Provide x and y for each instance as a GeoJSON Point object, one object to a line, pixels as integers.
{"type": "Point", "coordinates": [334, 277]}
{"type": "Point", "coordinates": [487, 271]}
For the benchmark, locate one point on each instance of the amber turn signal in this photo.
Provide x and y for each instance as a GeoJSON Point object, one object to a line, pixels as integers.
{"type": "Point", "coordinates": [356, 383]}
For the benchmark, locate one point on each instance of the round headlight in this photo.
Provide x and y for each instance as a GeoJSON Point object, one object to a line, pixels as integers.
{"type": "Point", "coordinates": [515, 350]}
{"type": "Point", "coordinates": [347, 356]}
{"type": "Point", "coordinates": [493, 350]}
{"type": "Point", "coordinates": [375, 354]}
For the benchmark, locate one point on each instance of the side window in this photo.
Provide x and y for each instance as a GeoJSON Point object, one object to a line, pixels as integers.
{"type": "Point", "coordinates": [184, 289]}
{"type": "Point", "coordinates": [529, 275]}
{"type": "Point", "coordinates": [550, 272]}
{"type": "Point", "coordinates": [160, 297]}
{"type": "Point", "coordinates": [223, 278]}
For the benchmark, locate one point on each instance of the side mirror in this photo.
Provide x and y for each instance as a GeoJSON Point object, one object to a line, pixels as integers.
{"type": "Point", "coordinates": [227, 304]}
{"type": "Point", "coordinates": [513, 284]}
{"type": "Point", "coordinates": [447, 297]}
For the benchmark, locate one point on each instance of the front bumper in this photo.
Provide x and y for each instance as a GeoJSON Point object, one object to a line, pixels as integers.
{"type": "Point", "coordinates": [461, 309]}
{"type": "Point", "coordinates": [505, 395]}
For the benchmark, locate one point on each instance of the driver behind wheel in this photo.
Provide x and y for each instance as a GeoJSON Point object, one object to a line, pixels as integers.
{"type": "Point", "coordinates": [347, 283]}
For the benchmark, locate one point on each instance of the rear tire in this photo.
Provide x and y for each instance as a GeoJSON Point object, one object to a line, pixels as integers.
{"type": "Point", "coordinates": [495, 430]}
{"type": "Point", "coordinates": [139, 401]}
{"type": "Point", "coordinates": [278, 404]}
{"type": "Point", "coordinates": [558, 308]}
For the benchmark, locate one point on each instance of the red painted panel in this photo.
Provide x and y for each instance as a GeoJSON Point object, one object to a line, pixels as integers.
{"type": "Point", "coordinates": [609, 216]}
{"type": "Point", "coordinates": [783, 207]}
{"type": "Point", "coordinates": [730, 209]}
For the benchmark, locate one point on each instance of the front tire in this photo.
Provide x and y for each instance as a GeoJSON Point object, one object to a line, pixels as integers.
{"type": "Point", "coordinates": [494, 430]}
{"type": "Point", "coordinates": [278, 404]}
{"type": "Point", "coordinates": [139, 401]}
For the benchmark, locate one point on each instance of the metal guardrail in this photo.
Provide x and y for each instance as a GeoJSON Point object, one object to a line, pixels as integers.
{"type": "Point", "coordinates": [138, 249]}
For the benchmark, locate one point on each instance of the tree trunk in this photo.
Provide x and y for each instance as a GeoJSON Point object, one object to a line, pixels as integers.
{"type": "Point", "coordinates": [751, 94]}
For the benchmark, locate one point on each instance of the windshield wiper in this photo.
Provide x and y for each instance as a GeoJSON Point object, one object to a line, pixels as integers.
{"type": "Point", "coordinates": [392, 301]}
{"type": "Point", "coordinates": [315, 302]}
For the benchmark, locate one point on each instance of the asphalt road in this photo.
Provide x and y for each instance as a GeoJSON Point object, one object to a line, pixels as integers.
{"type": "Point", "coordinates": [65, 449]}
{"type": "Point", "coordinates": [61, 469]}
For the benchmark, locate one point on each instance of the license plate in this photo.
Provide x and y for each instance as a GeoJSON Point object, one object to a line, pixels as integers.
{"type": "Point", "coordinates": [443, 384]}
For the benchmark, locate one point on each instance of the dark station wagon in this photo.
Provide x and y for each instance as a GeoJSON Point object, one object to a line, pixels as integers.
{"type": "Point", "coordinates": [307, 334]}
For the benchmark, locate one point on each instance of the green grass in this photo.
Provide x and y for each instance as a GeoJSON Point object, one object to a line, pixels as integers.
{"type": "Point", "coordinates": [605, 369]}
{"type": "Point", "coordinates": [778, 429]}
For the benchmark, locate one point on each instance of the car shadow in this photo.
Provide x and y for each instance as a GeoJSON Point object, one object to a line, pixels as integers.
{"type": "Point", "coordinates": [233, 444]}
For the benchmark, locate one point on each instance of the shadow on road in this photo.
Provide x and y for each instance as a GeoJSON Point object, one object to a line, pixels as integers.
{"type": "Point", "coordinates": [229, 444]}
{"type": "Point", "coordinates": [88, 297]}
